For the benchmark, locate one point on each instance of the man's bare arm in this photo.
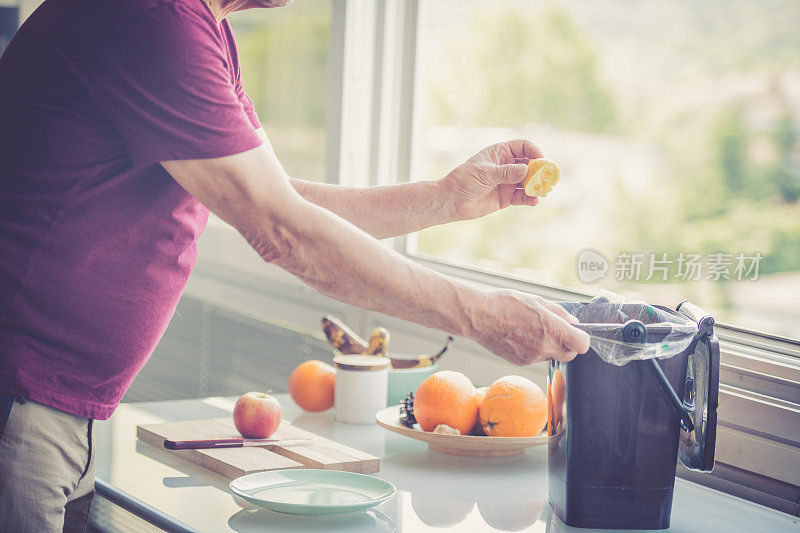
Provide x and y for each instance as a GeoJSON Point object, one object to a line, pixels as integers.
{"type": "Point", "coordinates": [485, 183]}
{"type": "Point", "coordinates": [252, 192]}
{"type": "Point", "coordinates": [385, 211]}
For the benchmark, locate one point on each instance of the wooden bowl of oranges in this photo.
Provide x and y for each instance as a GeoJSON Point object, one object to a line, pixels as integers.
{"type": "Point", "coordinates": [453, 416]}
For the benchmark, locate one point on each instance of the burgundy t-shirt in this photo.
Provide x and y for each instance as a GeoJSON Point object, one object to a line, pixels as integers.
{"type": "Point", "coordinates": [96, 239]}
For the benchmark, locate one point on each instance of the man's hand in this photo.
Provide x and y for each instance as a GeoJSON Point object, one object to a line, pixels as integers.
{"type": "Point", "coordinates": [490, 180]}
{"type": "Point", "coordinates": [523, 329]}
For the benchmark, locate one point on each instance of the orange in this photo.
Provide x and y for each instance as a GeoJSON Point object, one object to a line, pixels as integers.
{"type": "Point", "coordinates": [311, 385]}
{"type": "Point", "coordinates": [481, 391]}
{"type": "Point", "coordinates": [477, 429]}
{"type": "Point", "coordinates": [556, 395]}
{"type": "Point", "coordinates": [446, 397]}
{"type": "Point", "coordinates": [514, 407]}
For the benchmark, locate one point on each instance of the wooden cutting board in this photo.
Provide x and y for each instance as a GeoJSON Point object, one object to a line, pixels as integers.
{"type": "Point", "coordinates": [235, 462]}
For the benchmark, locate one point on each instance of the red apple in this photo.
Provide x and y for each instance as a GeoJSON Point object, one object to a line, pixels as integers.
{"type": "Point", "coordinates": [257, 415]}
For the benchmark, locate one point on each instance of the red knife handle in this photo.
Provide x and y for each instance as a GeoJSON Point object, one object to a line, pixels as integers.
{"type": "Point", "coordinates": [199, 444]}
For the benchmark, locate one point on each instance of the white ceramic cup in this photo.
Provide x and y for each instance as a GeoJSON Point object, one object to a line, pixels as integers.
{"type": "Point", "coordinates": [362, 383]}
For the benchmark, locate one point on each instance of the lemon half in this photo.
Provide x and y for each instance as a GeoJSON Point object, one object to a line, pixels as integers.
{"type": "Point", "coordinates": [542, 176]}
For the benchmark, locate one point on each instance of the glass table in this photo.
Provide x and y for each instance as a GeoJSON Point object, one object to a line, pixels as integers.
{"type": "Point", "coordinates": [435, 491]}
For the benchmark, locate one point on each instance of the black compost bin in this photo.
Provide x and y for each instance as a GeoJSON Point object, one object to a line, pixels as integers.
{"type": "Point", "coordinates": [631, 406]}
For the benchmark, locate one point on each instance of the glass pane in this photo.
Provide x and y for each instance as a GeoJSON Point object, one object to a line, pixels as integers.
{"type": "Point", "coordinates": [677, 129]}
{"type": "Point", "coordinates": [9, 19]}
{"type": "Point", "coordinates": [284, 61]}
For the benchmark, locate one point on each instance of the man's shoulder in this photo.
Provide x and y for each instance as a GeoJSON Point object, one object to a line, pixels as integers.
{"type": "Point", "coordinates": [83, 28]}
{"type": "Point", "coordinates": [124, 12]}
{"type": "Point", "coordinates": [84, 24]}
{"type": "Point", "coordinates": [87, 18]}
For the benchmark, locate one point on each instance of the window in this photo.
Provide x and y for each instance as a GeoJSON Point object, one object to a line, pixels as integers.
{"type": "Point", "coordinates": [283, 57]}
{"type": "Point", "coordinates": [283, 54]}
{"type": "Point", "coordinates": [677, 130]}
{"type": "Point", "coordinates": [9, 17]}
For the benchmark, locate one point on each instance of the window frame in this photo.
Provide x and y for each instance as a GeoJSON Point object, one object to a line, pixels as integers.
{"type": "Point", "coordinates": [759, 414]}
{"type": "Point", "coordinates": [408, 131]}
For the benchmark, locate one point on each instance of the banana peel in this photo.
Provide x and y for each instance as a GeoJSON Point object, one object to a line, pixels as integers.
{"type": "Point", "coordinates": [347, 342]}
{"type": "Point", "coordinates": [378, 342]}
{"type": "Point", "coordinates": [421, 361]}
{"type": "Point", "coordinates": [341, 337]}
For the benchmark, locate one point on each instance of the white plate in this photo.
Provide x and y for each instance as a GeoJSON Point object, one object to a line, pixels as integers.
{"type": "Point", "coordinates": [313, 492]}
{"type": "Point", "coordinates": [466, 445]}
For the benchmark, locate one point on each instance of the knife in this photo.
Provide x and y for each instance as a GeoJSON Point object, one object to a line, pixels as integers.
{"type": "Point", "coordinates": [234, 442]}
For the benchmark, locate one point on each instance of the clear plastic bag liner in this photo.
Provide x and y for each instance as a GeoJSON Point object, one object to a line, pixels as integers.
{"type": "Point", "coordinates": [668, 333]}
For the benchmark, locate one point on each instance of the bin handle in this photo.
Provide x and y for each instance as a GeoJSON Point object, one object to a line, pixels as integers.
{"type": "Point", "coordinates": [635, 331]}
{"type": "Point", "coordinates": [707, 418]}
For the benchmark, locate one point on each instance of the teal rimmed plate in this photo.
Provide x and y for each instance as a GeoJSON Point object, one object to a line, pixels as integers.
{"type": "Point", "coordinates": [312, 492]}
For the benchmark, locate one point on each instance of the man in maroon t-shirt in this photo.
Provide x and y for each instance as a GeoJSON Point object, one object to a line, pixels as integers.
{"type": "Point", "coordinates": [121, 124]}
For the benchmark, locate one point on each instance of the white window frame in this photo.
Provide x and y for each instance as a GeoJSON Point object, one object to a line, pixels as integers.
{"type": "Point", "coordinates": [371, 133]}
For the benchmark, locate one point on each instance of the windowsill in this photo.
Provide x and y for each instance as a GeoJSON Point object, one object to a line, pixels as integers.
{"type": "Point", "coordinates": [230, 258]}
{"type": "Point", "coordinates": [759, 439]}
